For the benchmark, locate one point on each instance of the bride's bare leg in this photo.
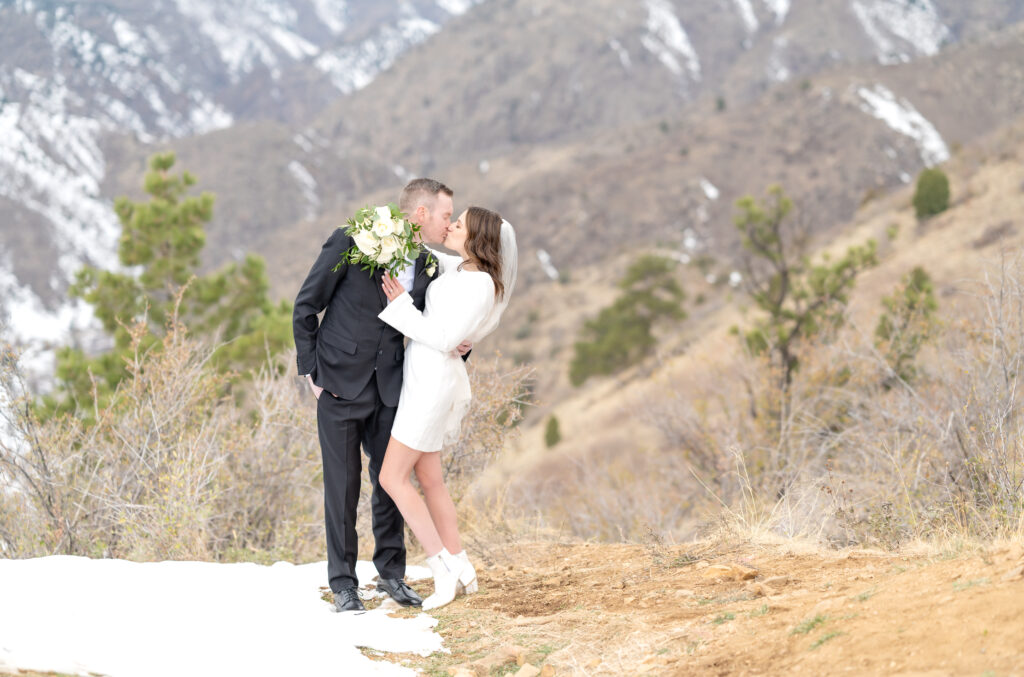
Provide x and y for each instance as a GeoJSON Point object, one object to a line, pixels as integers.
{"type": "Point", "coordinates": [439, 502]}
{"type": "Point", "coordinates": [394, 478]}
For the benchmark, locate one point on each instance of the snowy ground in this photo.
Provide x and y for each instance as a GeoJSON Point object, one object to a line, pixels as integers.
{"type": "Point", "coordinates": [112, 617]}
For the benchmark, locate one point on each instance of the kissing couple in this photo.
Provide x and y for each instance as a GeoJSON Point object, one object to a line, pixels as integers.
{"type": "Point", "coordinates": [401, 403]}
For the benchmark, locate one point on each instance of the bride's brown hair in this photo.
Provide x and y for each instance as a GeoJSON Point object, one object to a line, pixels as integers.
{"type": "Point", "coordinates": [483, 244]}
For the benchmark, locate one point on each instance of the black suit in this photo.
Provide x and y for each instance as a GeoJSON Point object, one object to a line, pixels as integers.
{"type": "Point", "coordinates": [357, 360]}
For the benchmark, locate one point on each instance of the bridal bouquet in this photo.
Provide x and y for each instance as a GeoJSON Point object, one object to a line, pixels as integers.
{"type": "Point", "coordinates": [383, 239]}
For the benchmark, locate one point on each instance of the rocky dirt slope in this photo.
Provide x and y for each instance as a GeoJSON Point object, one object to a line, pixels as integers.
{"type": "Point", "coordinates": [588, 609]}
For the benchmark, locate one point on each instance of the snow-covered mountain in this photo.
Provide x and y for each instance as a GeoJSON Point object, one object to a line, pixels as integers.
{"type": "Point", "coordinates": [281, 108]}
{"type": "Point", "coordinates": [74, 73]}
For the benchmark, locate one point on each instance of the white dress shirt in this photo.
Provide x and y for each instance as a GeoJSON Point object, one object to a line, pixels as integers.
{"type": "Point", "coordinates": [406, 277]}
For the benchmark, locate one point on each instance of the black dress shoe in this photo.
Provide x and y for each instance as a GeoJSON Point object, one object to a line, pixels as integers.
{"type": "Point", "coordinates": [399, 591]}
{"type": "Point", "coordinates": [347, 599]}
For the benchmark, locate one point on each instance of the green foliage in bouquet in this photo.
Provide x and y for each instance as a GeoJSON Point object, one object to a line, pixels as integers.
{"type": "Point", "coordinates": [621, 334]}
{"type": "Point", "coordinates": [384, 238]}
{"type": "Point", "coordinates": [161, 241]}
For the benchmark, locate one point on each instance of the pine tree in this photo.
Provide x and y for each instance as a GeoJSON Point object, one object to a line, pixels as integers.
{"type": "Point", "coordinates": [621, 334]}
{"type": "Point", "coordinates": [159, 249]}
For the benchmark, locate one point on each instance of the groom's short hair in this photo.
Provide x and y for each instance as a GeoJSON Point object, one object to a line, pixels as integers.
{"type": "Point", "coordinates": [422, 192]}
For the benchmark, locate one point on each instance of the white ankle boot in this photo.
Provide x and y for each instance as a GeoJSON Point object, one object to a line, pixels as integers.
{"type": "Point", "coordinates": [446, 569]}
{"type": "Point", "coordinates": [467, 579]}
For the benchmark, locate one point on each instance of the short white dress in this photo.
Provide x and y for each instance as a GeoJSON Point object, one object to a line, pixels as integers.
{"type": "Point", "coordinates": [435, 385]}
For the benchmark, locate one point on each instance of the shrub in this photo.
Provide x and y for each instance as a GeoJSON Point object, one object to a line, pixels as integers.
{"type": "Point", "coordinates": [499, 396]}
{"type": "Point", "coordinates": [908, 321]}
{"type": "Point", "coordinates": [621, 334]}
{"type": "Point", "coordinates": [173, 468]}
{"type": "Point", "coordinates": [799, 299]}
{"type": "Point", "coordinates": [170, 469]}
{"type": "Point", "coordinates": [932, 194]}
{"type": "Point", "coordinates": [855, 459]}
{"type": "Point", "coordinates": [552, 435]}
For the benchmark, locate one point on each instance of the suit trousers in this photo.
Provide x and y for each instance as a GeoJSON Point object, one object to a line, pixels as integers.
{"type": "Point", "coordinates": [343, 426]}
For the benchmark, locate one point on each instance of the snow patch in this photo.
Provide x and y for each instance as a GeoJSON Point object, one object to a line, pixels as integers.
{"type": "Point", "coordinates": [546, 265]}
{"type": "Point", "coordinates": [210, 619]}
{"type": "Point", "coordinates": [206, 116]}
{"type": "Point", "coordinates": [248, 34]}
{"type": "Point", "coordinates": [915, 23]}
{"type": "Point", "coordinates": [777, 68]}
{"type": "Point", "coordinates": [355, 66]}
{"type": "Point", "coordinates": [457, 7]}
{"type": "Point", "coordinates": [622, 53]}
{"type": "Point", "coordinates": [666, 39]}
{"type": "Point", "coordinates": [36, 328]}
{"type": "Point", "coordinates": [709, 189]}
{"type": "Point", "coordinates": [403, 173]}
{"type": "Point", "coordinates": [747, 14]}
{"type": "Point", "coordinates": [333, 13]}
{"type": "Point", "coordinates": [690, 241]}
{"type": "Point", "coordinates": [33, 136]}
{"type": "Point", "coordinates": [128, 37]}
{"type": "Point", "coordinates": [308, 186]}
{"type": "Point", "coordinates": [303, 143]}
{"type": "Point", "coordinates": [901, 116]}
{"type": "Point", "coordinates": [780, 8]}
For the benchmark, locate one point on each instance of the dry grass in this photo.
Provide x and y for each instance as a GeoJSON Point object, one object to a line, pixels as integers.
{"type": "Point", "coordinates": [860, 458]}
{"type": "Point", "coordinates": [179, 466]}
{"type": "Point", "coordinates": [176, 467]}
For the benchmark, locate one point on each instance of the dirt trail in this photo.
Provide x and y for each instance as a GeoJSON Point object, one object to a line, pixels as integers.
{"type": "Point", "coordinates": [591, 609]}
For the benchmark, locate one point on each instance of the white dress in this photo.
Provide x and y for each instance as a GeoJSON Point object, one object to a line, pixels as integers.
{"type": "Point", "coordinates": [435, 386]}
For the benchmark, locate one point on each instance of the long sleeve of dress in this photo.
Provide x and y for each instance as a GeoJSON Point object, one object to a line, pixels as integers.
{"type": "Point", "coordinates": [451, 320]}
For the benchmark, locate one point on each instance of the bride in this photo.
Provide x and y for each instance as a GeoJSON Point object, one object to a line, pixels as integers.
{"type": "Point", "coordinates": [465, 302]}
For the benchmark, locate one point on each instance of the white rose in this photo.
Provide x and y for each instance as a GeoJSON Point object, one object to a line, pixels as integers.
{"type": "Point", "coordinates": [365, 241]}
{"type": "Point", "coordinates": [399, 227]}
{"type": "Point", "coordinates": [383, 213]}
{"type": "Point", "coordinates": [389, 244]}
{"type": "Point", "coordinates": [384, 257]}
{"type": "Point", "coordinates": [383, 228]}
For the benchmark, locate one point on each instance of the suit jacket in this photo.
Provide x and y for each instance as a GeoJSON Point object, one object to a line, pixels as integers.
{"type": "Point", "coordinates": [351, 344]}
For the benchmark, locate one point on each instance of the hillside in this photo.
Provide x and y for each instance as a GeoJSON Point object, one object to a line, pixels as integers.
{"type": "Point", "coordinates": [832, 141]}
{"type": "Point", "coordinates": [615, 456]}
{"type": "Point", "coordinates": [543, 122]}
{"type": "Point", "coordinates": [80, 81]}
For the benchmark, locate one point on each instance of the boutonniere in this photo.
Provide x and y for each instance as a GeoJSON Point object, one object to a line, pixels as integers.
{"type": "Point", "coordinates": [431, 266]}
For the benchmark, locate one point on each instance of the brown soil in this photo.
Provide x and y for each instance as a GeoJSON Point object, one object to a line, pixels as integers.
{"type": "Point", "coordinates": [591, 609]}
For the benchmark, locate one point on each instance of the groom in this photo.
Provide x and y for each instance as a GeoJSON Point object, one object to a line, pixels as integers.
{"type": "Point", "coordinates": [353, 363]}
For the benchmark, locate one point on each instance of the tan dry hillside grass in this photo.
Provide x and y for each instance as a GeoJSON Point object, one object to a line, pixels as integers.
{"type": "Point", "coordinates": [983, 227]}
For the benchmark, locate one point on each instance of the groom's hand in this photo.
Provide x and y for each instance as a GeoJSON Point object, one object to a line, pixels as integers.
{"type": "Point", "coordinates": [464, 347]}
{"type": "Point", "coordinates": [314, 387]}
